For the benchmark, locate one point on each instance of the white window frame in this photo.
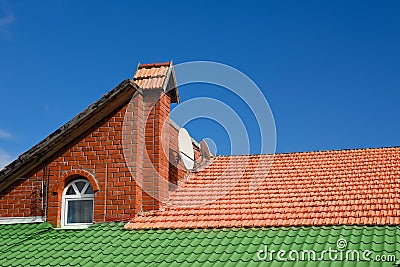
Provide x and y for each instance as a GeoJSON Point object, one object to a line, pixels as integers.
{"type": "Point", "coordinates": [79, 196]}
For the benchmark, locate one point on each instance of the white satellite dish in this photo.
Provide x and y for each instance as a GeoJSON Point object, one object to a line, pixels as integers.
{"type": "Point", "coordinates": [205, 151]}
{"type": "Point", "coordinates": [186, 149]}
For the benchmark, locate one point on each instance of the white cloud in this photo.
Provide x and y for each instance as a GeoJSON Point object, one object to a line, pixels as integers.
{"type": "Point", "coordinates": [5, 159]}
{"type": "Point", "coordinates": [4, 134]}
{"type": "Point", "coordinates": [7, 19]}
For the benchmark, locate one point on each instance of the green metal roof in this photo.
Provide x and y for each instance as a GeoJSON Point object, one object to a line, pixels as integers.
{"type": "Point", "coordinates": [108, 244]}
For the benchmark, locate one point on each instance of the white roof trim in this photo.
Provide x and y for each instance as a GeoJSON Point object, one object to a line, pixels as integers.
{"type": "Point", "coordinates": [16, 220]}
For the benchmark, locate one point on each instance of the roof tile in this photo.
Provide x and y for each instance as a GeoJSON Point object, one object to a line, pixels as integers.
{"type": "Point", "coordinates": [151, 76]}
{"type": "Point", "coordinates": [313, 188]}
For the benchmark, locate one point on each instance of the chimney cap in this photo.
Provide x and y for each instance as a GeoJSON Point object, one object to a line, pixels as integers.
{"type": "Point", "coordinates": [159, 76]}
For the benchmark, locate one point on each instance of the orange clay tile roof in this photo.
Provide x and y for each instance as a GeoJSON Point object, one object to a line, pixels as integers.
{"type": "Point", "coordinates": [151, 76]}
{"type": "Point", "coordinates": [347, 187]}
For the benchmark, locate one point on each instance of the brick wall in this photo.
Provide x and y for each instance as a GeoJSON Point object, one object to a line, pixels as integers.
{"type": "Point", "coordinates": [98, 155]}
{"type": "Point", "coordinates": [23, 198]}
{"type": "Point", "coordinates": [99, 152]}
{"type": "Point", "coordinates": [155, 160]}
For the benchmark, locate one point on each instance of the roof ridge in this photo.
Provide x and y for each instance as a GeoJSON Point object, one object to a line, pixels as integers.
{"type": "Point", "coordinates": [312, 152]}
{"type": "Point", "coordinates": [144, 78]}
{"type": "Point", "coordinates": [159, 64]}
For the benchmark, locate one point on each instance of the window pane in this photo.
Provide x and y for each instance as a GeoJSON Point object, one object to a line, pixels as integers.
{"type": "Point", "coordinates": [80, 211]}
{"type": "Point", "coordinates": [71, 191]}
{"type": "Point", "coordinates": [89, 190]}
{"type": "Point", "coordinates": [80, 185]}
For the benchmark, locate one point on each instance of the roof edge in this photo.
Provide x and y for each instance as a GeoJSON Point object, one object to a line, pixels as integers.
{"type": "Point", "coordinates": [57, 140]}
{"type": "Point", "coordinates": [20, 220]}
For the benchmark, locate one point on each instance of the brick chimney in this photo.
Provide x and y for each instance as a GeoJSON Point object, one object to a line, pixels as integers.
{"type": "Point", "coordinates": [159, 90]}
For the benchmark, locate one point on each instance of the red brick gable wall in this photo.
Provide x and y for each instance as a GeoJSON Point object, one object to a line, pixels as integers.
{"type": "Point", "coordinates": [99, 156]}
{"type": "Point", "coordinates": [100, 153]}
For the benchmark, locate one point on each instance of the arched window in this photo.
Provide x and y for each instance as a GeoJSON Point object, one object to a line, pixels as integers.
{"type": "Point", "coordinates": [77, 204]}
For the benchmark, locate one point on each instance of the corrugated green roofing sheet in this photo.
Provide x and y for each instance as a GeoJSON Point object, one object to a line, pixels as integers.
{"type": "Point", "coordinates": [108, 244]}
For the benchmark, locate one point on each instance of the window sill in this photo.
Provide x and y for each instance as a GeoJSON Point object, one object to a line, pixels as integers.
{"type": "Point", "coordinates": [75, 227]}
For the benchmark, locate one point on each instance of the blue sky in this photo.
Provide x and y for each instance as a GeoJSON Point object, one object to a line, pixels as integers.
{"type": "Point", "coordinates": [329, 69]}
